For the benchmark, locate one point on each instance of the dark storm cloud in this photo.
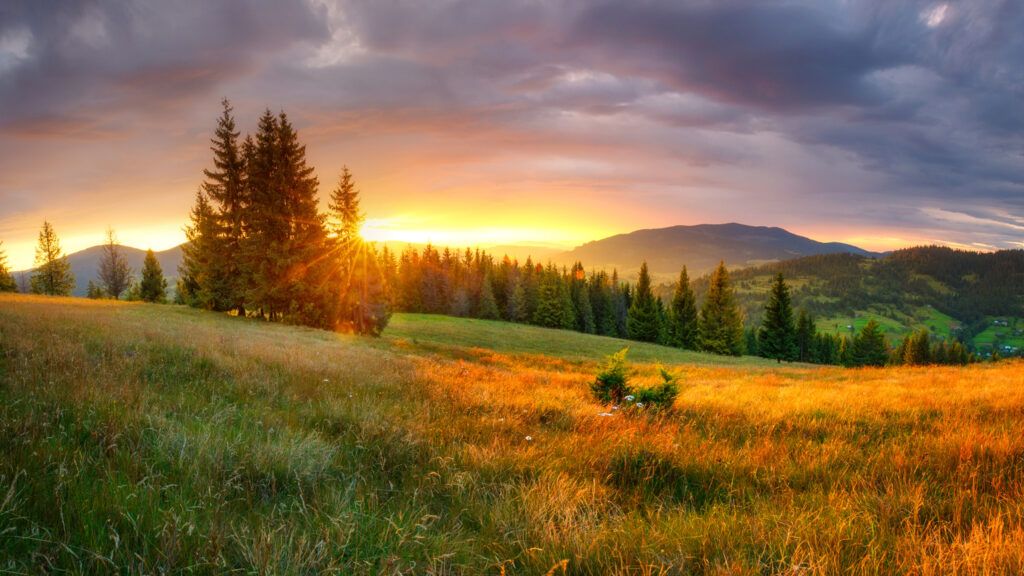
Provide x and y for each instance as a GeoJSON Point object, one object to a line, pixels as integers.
{"type": "Point", "coordinates": [91, 57]}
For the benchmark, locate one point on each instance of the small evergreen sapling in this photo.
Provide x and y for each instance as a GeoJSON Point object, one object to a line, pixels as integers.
{"type": "Point", "coordinates": [611, 385]}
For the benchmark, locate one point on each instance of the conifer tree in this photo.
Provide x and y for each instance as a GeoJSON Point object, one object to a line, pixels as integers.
{"type": "Point", "coordinates": [683, 331]}
{"type": "Point", "coordinates": [153, 287]}
{"type": "Point", "coordinates": [642, 319]}
{"type": "Point", "coordinates": [225, 188]}
{"type": "Point", "coordinates": [918, 349]}
{"type": "Point", "coordinates": [777, 338]}
{"type": "Point", "coordinates": [52, 275]}
{"type": "Point", "coordinates": [94, 292]}
{"type": "Point", "coordinates": [583, 310]}
{"type": "Point", "coordinates": [565, 301]}
{"type": "Point", "coordinates": [550, 311]}
{"type": "Point", "coordinates": [362, 292]}
{"type": "Point", "coordinates": [721, 323]}
{"type": "Point", "coordinates": [115, 275]}
{"type": "Point", "coordinates": [517, 311]}
{"type": "Point", "coordinates": [869, 348]}
{"type": "Point", "coordinates": [805, 332]}
{"type": "Point", "coordinates": [7, 283]}
{"type": "Point", "coordinates": [202, 282]}
{"type": "Point", "coordinates": [488, 307]}
{"type": "Point", "coordinates": [601, 303]}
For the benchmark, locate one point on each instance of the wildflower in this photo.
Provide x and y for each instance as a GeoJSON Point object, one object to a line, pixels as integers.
{"type": "Point", "coordinates": [529, 438]}
{"type": "Point", "coordinates": [615, 407]}
{"type": "Point", "coordinates": [629, 398]}
{"type": "Point", "coordinates": [605, 414]}
{"type": "Point", "coordinates": [639, 404]}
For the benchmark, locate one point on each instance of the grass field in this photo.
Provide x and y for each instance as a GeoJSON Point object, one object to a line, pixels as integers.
{"type": "Point", "coordinates": [156, 439]}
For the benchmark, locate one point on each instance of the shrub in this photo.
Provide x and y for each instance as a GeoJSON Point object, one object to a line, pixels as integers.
{"type": "Point", "coordinates": [611, 385]}
{"type": "Point", "coordinates": [662, 396]}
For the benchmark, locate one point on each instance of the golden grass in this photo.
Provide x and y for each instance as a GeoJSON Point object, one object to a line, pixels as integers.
{"type": "Point", "coordinates": [141, 438]}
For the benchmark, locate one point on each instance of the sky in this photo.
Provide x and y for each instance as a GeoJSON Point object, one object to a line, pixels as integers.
{"type": "Point", "coordinates": [881, 123]}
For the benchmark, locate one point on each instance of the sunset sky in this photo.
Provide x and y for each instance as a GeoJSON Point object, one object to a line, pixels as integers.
{"type": "Point", "coordinates": [877, 123]}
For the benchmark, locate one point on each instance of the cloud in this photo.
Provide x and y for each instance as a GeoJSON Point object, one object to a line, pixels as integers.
{"type": "Point", "coordinates": [886, 115]}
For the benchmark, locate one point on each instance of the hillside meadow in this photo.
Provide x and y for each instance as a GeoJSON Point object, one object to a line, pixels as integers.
{"type": "Point", "coordinates": [158, 439]}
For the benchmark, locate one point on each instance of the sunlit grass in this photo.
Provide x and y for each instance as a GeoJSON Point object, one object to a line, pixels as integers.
{"type": "Point", "coordinates": [145, 439]}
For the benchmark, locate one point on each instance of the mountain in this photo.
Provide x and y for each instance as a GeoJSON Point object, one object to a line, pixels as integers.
{"type": "Point", "coordinates": [85, 265]}
{"type": "Point", "coordinates": [700, 248]}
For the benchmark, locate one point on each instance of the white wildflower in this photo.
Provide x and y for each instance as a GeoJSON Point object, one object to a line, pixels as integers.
{"type": "Point", "coordinates": [529, 438]}
{"type": "Point", "coordinates": [639, 404]}
{"type": "Point", "coordinates": [605, 414]}
{"type": "Point", "coordinates": [630, 398]}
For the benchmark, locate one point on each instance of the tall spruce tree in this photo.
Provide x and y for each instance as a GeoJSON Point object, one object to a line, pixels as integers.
{"type": "Point", "coordinates": [361, 281]}
{"type": "Point", "coordinates": [52, 275]}
{"type": "Point", "coordinates": [226, 190]}
{"type": "Point", "coordinates": [683, 331]}
{"type": "Point", "coordinates": [642, 319]}
{"type": "Point", "coordinates": [805, 331]}
{"type": "Point", "coordinates": [721, 323]}
{"type": "Point", "coordinates": [869, 347]}
{"type": "Point", "coordinates": [115, 275]}
{"type": "Point", "coordinates": [515, 310]}
{"type": "Point", "coordinates": [583, 308]}
{"type": "Point", "coordinates": [153, 287]}
{"type": "Point", "coordinates": [777, 338]}
{"type": "Point", "coordinates": [202, 281]}
{"type": "Point", "coordinates": [488, 306]}
{"type": "Point", "coordinates": [7, 282]}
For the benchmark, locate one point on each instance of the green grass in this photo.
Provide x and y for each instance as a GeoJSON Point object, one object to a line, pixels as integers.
{"type": "Point", "coordinates": [839, 324]}
{"type": "Point", "coordinates": [1004, 334]}
{"type": "Point", "coordinates": [147, 439]}
{"type": "Point", "coordinates": [447, 332]}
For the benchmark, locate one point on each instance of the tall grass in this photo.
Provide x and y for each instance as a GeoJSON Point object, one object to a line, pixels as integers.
{"type": "Point", "coordinates": [155, 439]}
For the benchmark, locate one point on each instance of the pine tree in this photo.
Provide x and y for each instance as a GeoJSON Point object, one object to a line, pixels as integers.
{"type": "Point", "coordinates": [721, 323]}
{"type": "Point", "coordinates": [517, 311]}
{"type": "Point", "coordinates": [488, 307]}
{"type": "Point", "coordinates": [7, 283]}
{"type": "Point", "coordinates": [225, 188]}
{"type": "Point", "coordinates": [153, 287]}
{"type": "Point", "coordinates": [805, 332]}
{"type": "Point", "coordinates": [550, 311]}
{"type": "Point", "coordinates": [683, 332]}
{"type": "Point", "coordinates": [777, 338]}
{"type": "Point", "coordinates": [202, 282]}
{"type": "Point", "coordinates": [568, 311]}
{"type": "Point", "coordinates": [115, 275]}
{"type": "Point", "coordinates": [583, 310]}
{"type": "Point", "coordinates": [917, 351]}
{"type": "Point", "coordinates": [362, 282]}
{"type": "Point", "coordinates": [601, 303]}
{"type": "Point", "coordinates": [52, 275]}
{"type": "Point", "coordinates": [94, 292]}
{"type": "Point", "coordinates": [869, 347]}
{"type": "Point", "coordinates": [642, 322]}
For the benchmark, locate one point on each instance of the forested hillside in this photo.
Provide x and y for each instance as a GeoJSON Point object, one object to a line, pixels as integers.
{"type": "Point", "coordinates": [946, 290]}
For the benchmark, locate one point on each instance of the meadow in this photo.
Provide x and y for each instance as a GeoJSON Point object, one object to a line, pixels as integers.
{"type": "Point", "coordinates": [143, 439]}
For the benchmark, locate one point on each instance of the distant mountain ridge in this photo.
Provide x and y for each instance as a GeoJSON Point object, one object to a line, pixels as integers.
{"type": "Point", "coordinates": [85, 265]}
{"type": "Point", "coordinates": [700, 248]}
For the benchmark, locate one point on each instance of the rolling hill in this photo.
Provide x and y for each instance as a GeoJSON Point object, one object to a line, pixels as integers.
{"type": "Point", "coordinates": [700, 248]}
